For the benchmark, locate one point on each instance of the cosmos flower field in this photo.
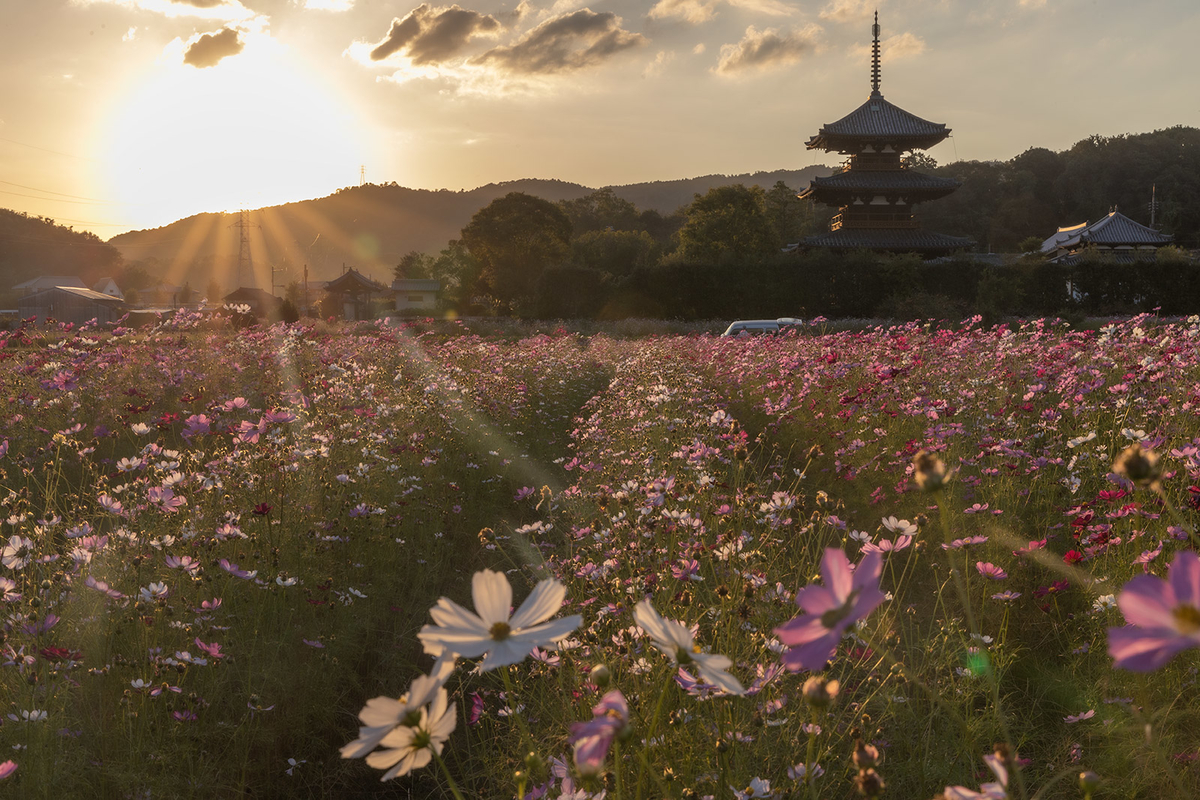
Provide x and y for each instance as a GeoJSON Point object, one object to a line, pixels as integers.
{"type": "Point", "coordinates": [901, 562]}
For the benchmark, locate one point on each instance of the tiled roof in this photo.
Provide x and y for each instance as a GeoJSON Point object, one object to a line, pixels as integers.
{"type": "Point", "coordinates": [877, 118]}
{"type": "Point", "coordinates": [898, 240]}
{"type": "Point", "coordinates": [883, 181]}
{"type": "Point", "coordinates": [354, 281]}
{"type": "Point", "coordinates": [1114, 230]}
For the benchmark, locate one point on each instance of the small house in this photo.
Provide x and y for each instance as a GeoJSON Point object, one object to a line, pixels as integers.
{"type": "Point", "coordinates": [352, 293]}
{"type": "Point", "coordinates": [415, 296]}
{"type": "Point", "coordinates": [261, 302]}
{"type": "Point", "coordinates": [109, 287]}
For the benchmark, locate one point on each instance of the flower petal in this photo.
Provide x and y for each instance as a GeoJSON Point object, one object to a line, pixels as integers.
{"type": "Point", "coordinates": [1184, 576]}
{"type": "Point", "coordinates": [835, 568]}
{"type": "Point", "coordinates": [1147, 601]}
{"type": "Point", "coordinates": [1141, 650]}
{"type": "Point", "coordinates": [543, 603]}
{"type": "Point", "coordinates": [492, 595]}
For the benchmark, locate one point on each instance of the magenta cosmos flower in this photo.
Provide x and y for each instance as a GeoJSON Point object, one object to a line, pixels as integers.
{"type": "Point", "coordinates": [1163, 616]}
{"type": "Point", "coordinates": [847, 597]}
{"type": "Point", "coordinates": [593, 738]}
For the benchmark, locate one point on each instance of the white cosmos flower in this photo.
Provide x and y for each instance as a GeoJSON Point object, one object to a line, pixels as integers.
{"type": "Point", "coordinates": [490, 632]}
{"type": "Point", "coordinates": [381, 715]}
{"type": "Point", "coordinates": [407, 748]}
{"type": "Point", "coordinates": [675, 640]}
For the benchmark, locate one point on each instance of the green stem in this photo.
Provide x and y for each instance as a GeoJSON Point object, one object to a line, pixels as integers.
{"type": "Point", "coordinates": [810, 758]}
{"type": "Point", "coordinates": [511, 697]}
{"type": "Point", "coordinates": [446, 771]}
{"type": "Point", "coordinates": [650, 731]}
{"type": "Point", "coordinates": [618, 769]}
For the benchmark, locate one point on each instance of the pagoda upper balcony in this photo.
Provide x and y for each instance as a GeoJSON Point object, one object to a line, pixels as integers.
{"type": "Point", "coordinates": [893, 221]}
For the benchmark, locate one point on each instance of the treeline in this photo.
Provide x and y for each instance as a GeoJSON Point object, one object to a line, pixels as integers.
{"type": "Point", "coordinates": [34, 246]}
{"type": "Point", "coordinates": [1004, 205]}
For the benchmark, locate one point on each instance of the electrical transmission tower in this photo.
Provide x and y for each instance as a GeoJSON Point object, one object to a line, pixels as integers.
{"type": "Point", "coordinates": [362, 174]}
{"type": "Point", "coordinates": [245, 273]}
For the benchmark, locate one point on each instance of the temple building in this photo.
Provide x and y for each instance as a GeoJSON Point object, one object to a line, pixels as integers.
{"type": "Point", "coordinates": [874, 191]}
{"type": "Point", "coordinates": [1115, 235]}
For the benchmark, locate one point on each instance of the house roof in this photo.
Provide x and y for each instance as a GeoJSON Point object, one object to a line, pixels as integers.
{"type": "Point", "coordinates": [1114, 230]}
{"type": "Point", "coordinates": [250, 294]}
{"type": "Point", "coordinates": [882, 181]}
{"type": "Point", "coordinates": [877, 119]}
{"type": "Point", "coordinates": [415, 285]}
{"type": "Point", "coordinates": [87, 294]}
{"type": "Point", "coordinates": [354, 281]}
{"type": "Point", "coordinates": [899, 240]}
{"type": "Point", "coordinates": [49, 281]}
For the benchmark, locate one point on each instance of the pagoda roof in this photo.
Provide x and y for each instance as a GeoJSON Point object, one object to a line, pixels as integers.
{"type": "Point", "coordinates": [899, 240]}
{"type": "Point", "coordinates": [882, 181]}
{"type": "Point", "coordinates": [874, 120]}
{"type": "Point", "coordinates": [1114, 230]}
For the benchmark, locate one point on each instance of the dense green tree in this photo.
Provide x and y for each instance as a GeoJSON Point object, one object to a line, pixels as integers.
{"type": "Point", "coordinates": [601, 210]}
{"type": "Point", "coordinates": [615, 252]}
{"type": "Point", "coordinates": [414, 266]}
{"type": "Point", "coordinates": [727, 222]}
{"type": "Point", "coordinates": [461, 276]}
{"type": "Point", "coordinates": [515, 238]}
{"type": "Point", "coordinates": [790, 216]}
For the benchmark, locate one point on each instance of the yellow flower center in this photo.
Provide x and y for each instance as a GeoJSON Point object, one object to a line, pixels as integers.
{"type": "Point", "coordinates": [1188, 619]}
{"type": "Point", "coordinates": [500, 631]}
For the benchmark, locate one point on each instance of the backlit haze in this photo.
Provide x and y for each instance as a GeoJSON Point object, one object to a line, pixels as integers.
{"type": "Point", "coordinates": [121, 114]}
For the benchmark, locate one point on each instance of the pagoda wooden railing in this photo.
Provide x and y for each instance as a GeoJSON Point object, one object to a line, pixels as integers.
{"type": "Point", "coordinates": [876, 221]}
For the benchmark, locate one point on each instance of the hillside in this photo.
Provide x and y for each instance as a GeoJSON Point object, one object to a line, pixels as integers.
{"type": "Point", "coordinates": [371, 227]}
{"type": "Point", "coordinates": [35, 246]}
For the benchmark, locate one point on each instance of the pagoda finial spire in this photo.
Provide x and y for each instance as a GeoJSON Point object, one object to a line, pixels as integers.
{"type": "Point", "coordinates": [875, 58]}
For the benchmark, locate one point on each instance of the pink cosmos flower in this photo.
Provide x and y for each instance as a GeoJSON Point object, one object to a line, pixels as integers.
{"type": "Point", "coordinates": [8, 592]}
{"type": "Point", "coordinates": [236, 571]}
{"type": "Point", "coordinates": [164, 497]}
{"type": "Point", "coordinates": [887, 545]}
{"type": "Point", "coordinates": [1163, 616]}
{"type": "Point", "coordinates": [987, 791]}
{"type": "Point", "coordinates": [8, 767]}
{"type": "Point", "coordinates": [1073, 718]}
{"type": "Point", "coordinates": [214, 649]}
{"type": "Point", "coordinates": [829, 610]}
{"type": "Point", "coordinates": [593, 738]}
{"type": "Point", "coordinates": [989, 570]}
{"type": "Point", "coordinates": [102, 587]}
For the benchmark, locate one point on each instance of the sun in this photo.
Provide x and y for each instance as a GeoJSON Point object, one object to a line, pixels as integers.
{"type": "Point", "coordinates": [255, 130]}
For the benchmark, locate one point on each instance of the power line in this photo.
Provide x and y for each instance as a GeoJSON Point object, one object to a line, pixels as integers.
{"type": "Point", "coordinates": [47, 191]}
{"type": "Point", "coordinates": [46, 150]}
{"type": "Point", "coordinates": [56, 199]}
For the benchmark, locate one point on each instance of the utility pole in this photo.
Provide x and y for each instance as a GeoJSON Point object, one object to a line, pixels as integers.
{"type": "Point", "coordinates": [1153, 202]}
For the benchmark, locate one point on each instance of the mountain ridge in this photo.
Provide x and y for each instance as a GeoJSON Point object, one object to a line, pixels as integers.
{"type": "Point", "coordinates": [371, 227]}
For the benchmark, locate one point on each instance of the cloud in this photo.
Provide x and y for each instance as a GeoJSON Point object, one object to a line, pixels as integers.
{"type": "Point", "coordinates": [697, 11]}
{"type": "Point", "coordinates": [223, 10]}
{"type": "Point", "coordinates": [693, 11]}
{"type": "Point", "coordinates": [569, 42]}
{"type": "Point", "coordinates": [336, 6]}
{"type": "Point", "coordinates": [432, 35]}
{"type": "Point", "coordinates": [655, 67]}
{"type": "Point", "coordinates": [767, 49]}
{"type": "Point", "coordinates": [210, 48]}
{"type": "Point", "coordinates": [848, 10]}
{"type": "Point", "coordinates": [894, 48]}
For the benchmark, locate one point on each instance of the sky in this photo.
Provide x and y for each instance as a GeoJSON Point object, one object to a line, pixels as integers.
{"type": "Point", "coordinates": [130, 114]}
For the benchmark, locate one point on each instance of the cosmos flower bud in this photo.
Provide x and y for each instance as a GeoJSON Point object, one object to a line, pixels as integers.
{"type": "Point", "coordinates": [819, 693]}
{"type": "Point", "coordinates": [868, 783]}
{"type": "Point", "coordinates": [929, 471]}
{"type": "Point", "coordinates": [865, 755]}
{"type": "Point", "coordinates": [1088, 782]}
{"type": "Point", "coordinates": [1137, 464]}
{"type": "Point", "coordinates": [601, 676]}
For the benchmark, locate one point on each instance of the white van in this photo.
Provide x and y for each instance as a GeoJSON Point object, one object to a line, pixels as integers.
{"type": "Point", "coordinates": [752, 327]}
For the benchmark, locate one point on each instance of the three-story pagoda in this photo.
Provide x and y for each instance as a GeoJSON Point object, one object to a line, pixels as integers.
{"type": "Point", "coordinates": [874, 191]}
